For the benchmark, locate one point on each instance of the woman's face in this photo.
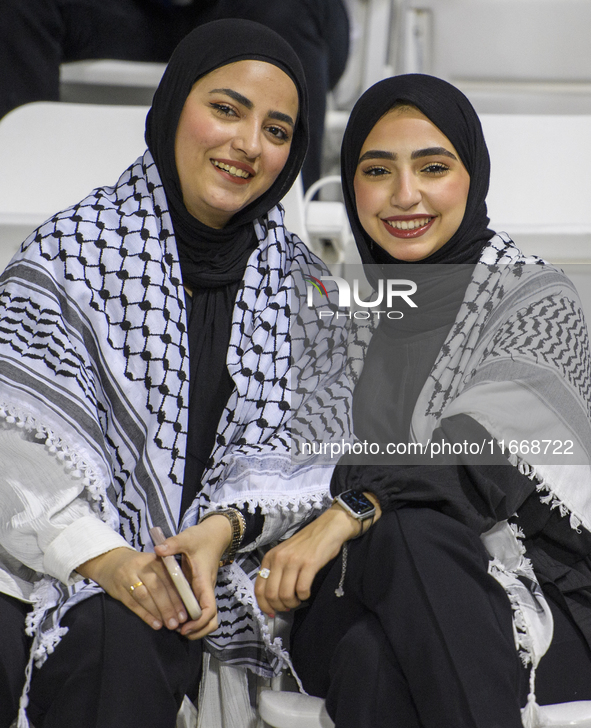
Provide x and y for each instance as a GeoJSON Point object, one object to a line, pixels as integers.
{"type": "Point", "coordinates": [410, 186]}
{"type": "Point", "coordinates": [233, 138]}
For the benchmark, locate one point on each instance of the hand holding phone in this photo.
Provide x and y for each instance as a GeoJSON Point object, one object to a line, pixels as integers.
{"type": "Point", "coordinates": [179, 580]}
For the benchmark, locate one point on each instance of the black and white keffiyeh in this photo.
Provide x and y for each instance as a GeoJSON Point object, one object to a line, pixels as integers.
{"type": "Point", "coordinates": [94, 367]}
{"type": "Point", "coordinates": [516, 354]}
{"type": "Point", "coordinates": [517, 360]}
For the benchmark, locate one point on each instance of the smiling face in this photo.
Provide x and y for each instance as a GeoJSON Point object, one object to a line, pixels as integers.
{"type": "Point", "coordinates": [233, 138]}
{"type": "Point", "coordinates": [410, 186]}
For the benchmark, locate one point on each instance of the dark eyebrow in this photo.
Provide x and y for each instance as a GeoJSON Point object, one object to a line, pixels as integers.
{"type": "Point", "coordinates": [233, 95]}
{"type": "Point", "coordinates": [277, 115]}
{"type": "Point", "coordinates": [432, 152]}
{"type": "Point", "coordinates": [377, 154]}
{"type": "Point", "coordinates": [417, 154]}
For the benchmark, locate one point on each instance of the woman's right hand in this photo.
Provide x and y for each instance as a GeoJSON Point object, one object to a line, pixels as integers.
{"type": "Point", "coordinates": [154, 597]}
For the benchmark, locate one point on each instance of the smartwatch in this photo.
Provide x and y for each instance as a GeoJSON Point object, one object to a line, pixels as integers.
{"type": "Point", "coordinates": [358, 505]}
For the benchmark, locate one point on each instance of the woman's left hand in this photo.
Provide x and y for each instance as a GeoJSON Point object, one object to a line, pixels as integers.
{"type": "Point", "coordinates": [294, 563]}
{"type": "Point", "coordinates": [202, 547]}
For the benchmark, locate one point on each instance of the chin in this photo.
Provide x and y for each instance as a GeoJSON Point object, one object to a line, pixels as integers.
{"type": "Point", "coordinates": [408, 254]}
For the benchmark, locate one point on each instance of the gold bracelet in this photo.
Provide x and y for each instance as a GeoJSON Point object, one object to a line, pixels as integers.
{"type": "Point", "coordinates": [238, 525]}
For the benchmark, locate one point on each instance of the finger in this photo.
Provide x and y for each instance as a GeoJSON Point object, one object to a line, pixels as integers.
{"type": "Point", "coordinates": [271, 588]}
{"type": "Point", "coordinates": [196, 626]}
{"type": "Point", "coordinates": [133, 605]}
{"type": "Point", "coordinates": [180, 611]}
{"type": "Point", "coordinates": [205, 594]}
{"type": "Point", "coordinates": [153, 595]}
{"type": "Point", "coordinates": [287, 587]}
{"type": "Point", "coordinates": [211, 626]}
{"type": "Point", "coordinates": [260, 587]}
{"type": "Point", "coordinates": [264, 605]}
{"type": "Point", "coordinates": [305, 578]}
{"type": "Point", "coordinates": [145, 616]}
{"type": "Point", "coordinates": [173, 545]}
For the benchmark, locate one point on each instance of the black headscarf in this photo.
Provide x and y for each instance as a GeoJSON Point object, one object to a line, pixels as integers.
{"type": "Point", "coordinates": [452, 113]}
{"type": "Point", "coordinates": [403, 351]}
{"type": "Point", "coordinates": [439, 295]}
{"type": "Point", "coordinates": [213, 261]}
{"type": "Point", "coordinates": [212, 257]}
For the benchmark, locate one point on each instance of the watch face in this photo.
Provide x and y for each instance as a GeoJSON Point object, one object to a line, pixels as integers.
{"type": "Point", "coordinates": [357, 502]}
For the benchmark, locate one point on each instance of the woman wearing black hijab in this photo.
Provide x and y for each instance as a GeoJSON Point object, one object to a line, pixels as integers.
{"type": "Point", "coordinates": [463, 597]}
{"type": "Point", "coordinates": [146, 381]}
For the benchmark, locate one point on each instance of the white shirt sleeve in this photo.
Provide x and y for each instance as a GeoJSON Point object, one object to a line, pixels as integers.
{"type": "Point", "coordinates": [48, 522]}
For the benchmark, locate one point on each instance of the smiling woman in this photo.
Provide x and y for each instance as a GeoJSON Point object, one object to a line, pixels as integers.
{"type": "Point", "coordinates": [410, 185]}
{"type": "Point", "coordinates": [461, 593]}
{"type": "Point", "coordinates": [234, 137]}
{"type": "Point", "coordinates": [147, 381]}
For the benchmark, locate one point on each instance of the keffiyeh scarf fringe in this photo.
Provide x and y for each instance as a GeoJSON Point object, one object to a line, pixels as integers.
{"type": "Point", "coordinates": [74, 462]}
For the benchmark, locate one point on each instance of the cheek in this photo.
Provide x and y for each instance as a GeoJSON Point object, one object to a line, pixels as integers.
{"type": "Point", "coordinates": [367, 200]}
{"type": "Point", "coordinates": [275, 159]}
{"type": "Point", "coordinates": [452, 199]}
{"type": "Point", "coordinates": [194, 135]}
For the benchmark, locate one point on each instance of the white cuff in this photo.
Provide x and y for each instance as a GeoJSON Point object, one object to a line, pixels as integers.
{"type": "Point", "coordinates": [84, 539]}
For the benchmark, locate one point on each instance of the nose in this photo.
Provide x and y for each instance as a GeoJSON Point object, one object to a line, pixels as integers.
{"type": "Point", "coordinates": [248, 139]}
{"type": "Point", "coordinates": [405, 193]}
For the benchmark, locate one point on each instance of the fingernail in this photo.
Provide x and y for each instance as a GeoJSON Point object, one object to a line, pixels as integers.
{"type": "Point", "coordinates": [182, 617]}
{"type": "Point", "coordinates": [156, 624]}
{"type": "Point", "coordinates": [172, 623]}
{"type": "Point", "coordinates": [163, 546]}
{"type": "Point", "coordinates": [271, 615]}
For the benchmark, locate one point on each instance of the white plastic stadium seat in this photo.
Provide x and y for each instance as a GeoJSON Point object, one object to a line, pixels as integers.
{"type": "Point", "coordinates": [53, 154]}
{"type": "Point", "coordinates": [515, 56]}
{"type": "Point", "coordinates": [539, 194]}
{"type": "Point", "coordinates": [282, 709]}
{"type": "Point", "coordinates": [108, 81]}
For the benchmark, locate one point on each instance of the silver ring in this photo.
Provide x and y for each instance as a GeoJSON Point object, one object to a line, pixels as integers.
{"type": "Point", "coordinates": [264, 573]}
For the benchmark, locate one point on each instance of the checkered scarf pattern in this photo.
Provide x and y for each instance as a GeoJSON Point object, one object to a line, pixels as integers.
{"type": "Point", "coordinates": [94, 363]}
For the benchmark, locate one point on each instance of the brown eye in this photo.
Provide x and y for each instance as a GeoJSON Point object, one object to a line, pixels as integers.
{"type": "Point", "coordinates": [436, 168]}
{"type": "Point", "coordinates": [278, 132]}
{"type": "Point", "coordinates": [374, 171]}
{"type": "Point", "coordinates": [223, 109]}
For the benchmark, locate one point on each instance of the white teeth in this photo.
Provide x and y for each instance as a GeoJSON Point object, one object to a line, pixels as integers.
{"type": "Point", "coordinates": [408, 224]}
{"type": "Point", "coordinates": [232, 170]}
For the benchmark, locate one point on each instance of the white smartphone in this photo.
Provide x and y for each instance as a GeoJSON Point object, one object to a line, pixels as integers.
{"type": "Point", "coordinates": [176, 574]}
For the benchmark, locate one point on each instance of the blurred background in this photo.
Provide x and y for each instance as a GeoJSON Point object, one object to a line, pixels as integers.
{"type": "Point", "coordinates": [524, 64]}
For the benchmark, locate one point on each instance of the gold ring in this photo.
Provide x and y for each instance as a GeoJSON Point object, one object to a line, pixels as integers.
{"type": "Point", "coordinates": [264, 573]}
{"type": "Point", "coordinates": [133, 587]}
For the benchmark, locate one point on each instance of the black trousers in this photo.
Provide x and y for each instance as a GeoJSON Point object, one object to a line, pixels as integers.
{"type": "Point", "coordinates": [110, 670]}
{"type": "Point", "coordinates": [37, 35]}
{"type": "Point", "coordinates": [422, 637]}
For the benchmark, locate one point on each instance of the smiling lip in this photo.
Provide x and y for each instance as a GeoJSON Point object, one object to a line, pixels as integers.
{"type": "Point", "coordinates": [403, 226]}
{"type": "Point", "coordinates": [232, 168]}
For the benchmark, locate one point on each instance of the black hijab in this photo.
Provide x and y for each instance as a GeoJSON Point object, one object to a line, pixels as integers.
{"type": "Point", "coordinates": [208, 256]}
{"type": "Point", "coordinates": [440, 291]}
{"type": "Point", "coordinates": [213, 261]}
{"type": "Point", "coordinates": [403, 351]}
{"type": "Point", "coordinates": [452, 113]}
